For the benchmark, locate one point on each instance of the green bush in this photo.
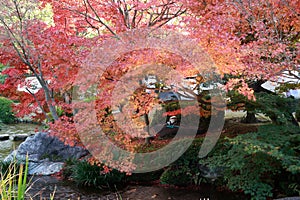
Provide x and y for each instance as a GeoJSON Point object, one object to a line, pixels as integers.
{"type": "Point", "coordinates": [176, 176]}
{"type": "Point", "coordinates": [6, 114]}
{"type": "Point", "coordinates": [258, 162]}
{"type": "Point", "coordinates": [278, 108]}
{"type": "Point", "coordinates": [83, 173]}
{"type": "Point", "coordinates": [185, 170]}
{"type": "Point", "coordinates": [68, 168]}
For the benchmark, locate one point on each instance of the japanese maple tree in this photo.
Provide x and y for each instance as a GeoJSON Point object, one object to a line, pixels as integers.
{"type": "Point", "coordinates": [250, 41]}
{"type": "Point", "coordinates": [33, 48]}
{"type": "Point", "coordinates": [248, 44]}
{"type": "Point", "coordinates": [98, 20]}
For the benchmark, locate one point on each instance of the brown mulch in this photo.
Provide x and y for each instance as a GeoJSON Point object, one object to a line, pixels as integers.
{"type": "Point", "coordinates": [43, 187]}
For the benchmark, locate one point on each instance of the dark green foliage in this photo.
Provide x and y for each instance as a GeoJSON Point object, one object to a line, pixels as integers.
{"type": "Point", "coordinates": [278, 108]}
{"type": "Point", "coordinates": [68, 168]}
{"type": "Point", "coordinates": [6, 114]}
{"type": "Point", "coordinates": [185, 170]}
{"type": "Point", "coordinates": [51, 157]}
{"type": "Point", "coordinates": [5, 166]}
{"type": "Point", "coordinates": [176, 176]}
{"type": "Point", "coordinates": [83, 173]}
{"type": "Point", "coordinates": [257, 162]}
{"type": "Point", "coordinates": [287, 86]}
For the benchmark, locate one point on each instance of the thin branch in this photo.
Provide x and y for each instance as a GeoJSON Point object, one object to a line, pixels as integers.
{"type": "Point", "coordinates": [87, 20]}
{"type": "Point", "coordinates": [39, 103]}
{"type": "Point", "coordinates": [100, 21]}
{"type": "Point", "coordinates": [133, 19]}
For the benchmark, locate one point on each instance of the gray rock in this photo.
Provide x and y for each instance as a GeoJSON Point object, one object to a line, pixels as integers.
{"type": "Point", "coordinates": [19, 137]}
{"type": "Point", "coordinates": [46, 154]}
{"type": "Point", "coordinates": [209, 173]}
{"type": "Point", "coordinates": [45, 168]}
{"type": "Point", "coordinates": [4, 137]}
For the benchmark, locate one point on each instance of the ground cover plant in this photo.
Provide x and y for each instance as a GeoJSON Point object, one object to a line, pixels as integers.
{"type": "Point", "coordinates": [261, 164]}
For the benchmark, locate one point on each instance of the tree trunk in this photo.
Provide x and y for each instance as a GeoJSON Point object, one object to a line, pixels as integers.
{"type": "Point", "coordinates": [50, 101]}
{"type": "Point", "coordinates": [250, 118]}
{"type": "Point", "coordinates": [147, 139]}
{"type": "Point", "coordinates": [294, 120]}
{"type": "Point", "coordinates": [256, 86]}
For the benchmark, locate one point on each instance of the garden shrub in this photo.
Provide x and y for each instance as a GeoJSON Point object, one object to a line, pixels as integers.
{"type": "Point", "coordinates": [68, 168]}
{"type": "Point", "coordinates": [176, 176]}
{"type": "Point", "coordinates": [278, 108]}
{"type": "Point", "coordinates": [256, 162]}
{"type": "Point", "coordinates": [6, 114]}
{"type": "Point", "coordinates": [83, 173]}
{"type": "Point", "coordinates": [185, 170]}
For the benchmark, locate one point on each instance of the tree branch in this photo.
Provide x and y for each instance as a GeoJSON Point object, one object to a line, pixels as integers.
{"type": "Point", "coordinates": [39, 103]}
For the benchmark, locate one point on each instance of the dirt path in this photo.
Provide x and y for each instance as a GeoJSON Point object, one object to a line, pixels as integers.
{"type": "Point", "coordinates": [42, 187]}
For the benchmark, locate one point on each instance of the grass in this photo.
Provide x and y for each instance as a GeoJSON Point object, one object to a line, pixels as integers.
{"type": "Point", "coordinates": [13, 181]}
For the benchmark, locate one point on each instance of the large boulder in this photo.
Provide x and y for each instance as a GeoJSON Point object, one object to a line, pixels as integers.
{"type": "Point", "coordinates": [46, 154]}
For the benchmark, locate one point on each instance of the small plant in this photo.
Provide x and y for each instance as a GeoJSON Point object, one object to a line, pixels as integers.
{"type": "Point", "coordinates": [68, 168]}
{"type": "Point", "coordinates": [86, 174]}
{"type": "Point", "coordinates": [14, 181]}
